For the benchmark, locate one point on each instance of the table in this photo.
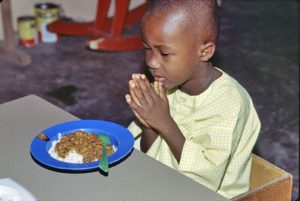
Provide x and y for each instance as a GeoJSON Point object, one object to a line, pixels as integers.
{"type": "Point", "coordinates": [138, 178]}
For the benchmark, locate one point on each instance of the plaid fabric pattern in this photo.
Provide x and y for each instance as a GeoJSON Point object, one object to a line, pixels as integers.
{"type": "Point", "coordinates": [221, 127]}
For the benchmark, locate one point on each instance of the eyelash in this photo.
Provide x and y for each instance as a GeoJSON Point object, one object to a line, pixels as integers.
{"type": "Point", "coordinates": [161, 53]}
{"type": "Point", "coordinates": [164, 54]}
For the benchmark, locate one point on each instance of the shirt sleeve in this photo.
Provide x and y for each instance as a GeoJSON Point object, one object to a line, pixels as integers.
{"type": "Point", "coordinates": [134, 129]}
{"type": "Point", "coordinates": [208, 144]}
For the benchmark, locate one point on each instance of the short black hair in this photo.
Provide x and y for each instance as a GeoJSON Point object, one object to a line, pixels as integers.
{"type": "Point", "coordinates": [202, 15]}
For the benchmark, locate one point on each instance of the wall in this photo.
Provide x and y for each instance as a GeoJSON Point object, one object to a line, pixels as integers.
{"type": "Point", "coordinates": [83, 10]}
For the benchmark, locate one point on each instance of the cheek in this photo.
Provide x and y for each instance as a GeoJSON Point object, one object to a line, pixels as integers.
{"type": "Point", "coordinates": [176, 75]}
{"type": "Point", "coordinates": [180, 66]}
{"type": "Point", "coordinates": [181, 70]}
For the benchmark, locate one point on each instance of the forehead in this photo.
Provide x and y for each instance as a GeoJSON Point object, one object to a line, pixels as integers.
{"type": "Point", "coordinates": [165, 27]}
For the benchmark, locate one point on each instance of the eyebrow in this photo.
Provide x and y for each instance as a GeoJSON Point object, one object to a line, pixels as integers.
{"type": "Point", "coordinates": [158, 46]}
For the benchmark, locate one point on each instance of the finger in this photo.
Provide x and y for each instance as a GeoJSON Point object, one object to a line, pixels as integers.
{"type": "Point", "coordinates": [147, 86]}
{"type": "Point", "coordinates": [155, 86]}
{"type": "Point", "coordinates": [138, 93]}
{"type": "Point", "coordinates": [146, 81]}
{"type": "Point", "coordinates": [158, 89]}
{"type": "Point", "coordinates": [132, 90]}
{"type": "Point", "coordinates": [162, 91]}
{"type": "Point", "coordinates": [142, 91]}
{"type": "Point", "coordinates": [131, 103]}
{"type": "Point", "coordinates": [136, 78]}
{"type": "Point", "coordinates": [142, 121]}
{"type": "Point", "coordinates": [133, 108]}
{"type": "Point", "coordinates": [128, 99]}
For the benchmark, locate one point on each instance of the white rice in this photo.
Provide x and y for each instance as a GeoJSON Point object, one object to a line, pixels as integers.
{"type": "Point", "coordinates": [72, 157]}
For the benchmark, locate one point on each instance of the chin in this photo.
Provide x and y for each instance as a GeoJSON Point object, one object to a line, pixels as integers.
{"type": "Point", "coordinates": [168, 86]}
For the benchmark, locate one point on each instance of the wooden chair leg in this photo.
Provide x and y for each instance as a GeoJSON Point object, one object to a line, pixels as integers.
{"type": "Point", "coordinates": [130, 18]}
{"type": "Point", "coordinates": [116, 41]}
{"type": "Point", "coordinates": [106, 33]}
{"type": "Point", "coordinates": [101, 17]}
{"type": "Point", "coordinates": [116, 44]}
{"type": "Point", "coordinates": [119, 17]}
{"type": "Point", "coordinates": [9, 44]}
{"type": "Point", "coordinates": [62, 27]}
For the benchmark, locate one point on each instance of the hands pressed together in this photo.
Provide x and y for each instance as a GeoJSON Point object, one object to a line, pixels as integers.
{"type": "Point", "coordinates": [150, 105]}
{"type": "Point", "coordinates": [148, 102]}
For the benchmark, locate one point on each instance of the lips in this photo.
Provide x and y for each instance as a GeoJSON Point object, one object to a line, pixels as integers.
{"type": "Point", "coordinates": [157, 77]}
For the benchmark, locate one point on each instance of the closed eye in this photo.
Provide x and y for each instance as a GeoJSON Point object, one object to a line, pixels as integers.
{"type": "Point", "coordinates": [164, 54]}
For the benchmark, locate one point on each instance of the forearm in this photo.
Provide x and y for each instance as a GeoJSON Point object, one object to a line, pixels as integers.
{"type": "Point", "coordinates": [174, 138]}
{"type": "Point", "coordinates": [148, 136]}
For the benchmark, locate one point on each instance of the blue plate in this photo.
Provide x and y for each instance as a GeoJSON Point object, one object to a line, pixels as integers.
{"type": "Point", "coordinates": [121, 139]}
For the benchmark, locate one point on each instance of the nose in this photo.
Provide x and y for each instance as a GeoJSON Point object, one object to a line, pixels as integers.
{"type": "Point", "coordinates": [152, 61]}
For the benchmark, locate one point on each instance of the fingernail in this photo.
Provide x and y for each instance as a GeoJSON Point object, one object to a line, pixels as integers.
{"type": "Point", "coordinates": [128, 99]}
{"type": "Point", "coordinates": [131, 84]}
{"type": "Point", "coordinates": [143, 76]}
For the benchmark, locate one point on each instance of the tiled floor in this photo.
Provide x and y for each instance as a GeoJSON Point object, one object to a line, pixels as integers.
{"type": "Point", "coordinates": [259, 46]}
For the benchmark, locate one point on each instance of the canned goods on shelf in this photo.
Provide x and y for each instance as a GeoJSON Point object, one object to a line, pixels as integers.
{"type": "Point", "coordinates": [27, 31]}
{"type": "Point", "coordinates": [45, 14]}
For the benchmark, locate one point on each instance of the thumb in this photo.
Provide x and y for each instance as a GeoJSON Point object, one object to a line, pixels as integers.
{"type": "Point", "coordinates": [162, 91]}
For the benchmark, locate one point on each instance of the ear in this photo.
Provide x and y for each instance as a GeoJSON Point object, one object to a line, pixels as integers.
{"type": "Point", "coordinates": [206, 51]}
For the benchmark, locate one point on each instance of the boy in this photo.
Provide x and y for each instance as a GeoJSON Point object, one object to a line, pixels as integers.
{"type": "Point", "coordinates": [194, 118]}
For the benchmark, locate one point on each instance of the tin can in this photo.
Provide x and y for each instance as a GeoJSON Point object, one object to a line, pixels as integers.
{"type": "Point", "coordinates": [27, 31]}
{"type": "Point", "coordinates": [45, 14]}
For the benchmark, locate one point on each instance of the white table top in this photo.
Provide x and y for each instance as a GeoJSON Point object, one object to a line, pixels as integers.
{"type": "Point", "coordinates": [138, 178]}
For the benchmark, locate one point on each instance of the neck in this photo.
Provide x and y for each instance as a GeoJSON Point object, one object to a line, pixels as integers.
{"type": "Point", "coordinates": [202, 81]}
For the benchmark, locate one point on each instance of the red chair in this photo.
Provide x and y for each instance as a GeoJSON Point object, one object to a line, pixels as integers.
{"type": "Point", "coordinates": [106, 33]}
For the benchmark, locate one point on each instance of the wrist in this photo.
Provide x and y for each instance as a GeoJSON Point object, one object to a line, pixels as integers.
{"type": "Point", "coordinates": [167, 126]}
{"type": "Point", "coordinates": [144, 128]}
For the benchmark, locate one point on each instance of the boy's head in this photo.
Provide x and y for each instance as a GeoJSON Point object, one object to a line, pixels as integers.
{"type": "Point", "coordinates": [200, 21]}
{"type": "Point", "coordinates": [178, 35]}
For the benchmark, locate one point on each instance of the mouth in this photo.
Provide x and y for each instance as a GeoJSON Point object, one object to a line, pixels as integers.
{"type": "Point", "coordinates": [159, 78]}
